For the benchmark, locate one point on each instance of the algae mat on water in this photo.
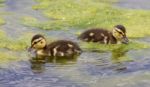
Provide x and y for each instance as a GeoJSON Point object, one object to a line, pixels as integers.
{"type": "Point", "coordinates": [11, 49]}
{"type": "Point", "coordinates": [14, 44]}
{"type": "Point", "coordinates": [83, 14]}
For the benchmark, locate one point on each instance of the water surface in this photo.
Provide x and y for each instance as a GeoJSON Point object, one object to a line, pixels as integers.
{"type": "Point", "coordinates": [90, 69]}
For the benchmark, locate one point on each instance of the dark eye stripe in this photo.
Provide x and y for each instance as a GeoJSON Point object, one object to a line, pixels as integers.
{"type": "Point", "coordinates": [119, 32]}
{"type": "Point", "coordinates": [36, 42]}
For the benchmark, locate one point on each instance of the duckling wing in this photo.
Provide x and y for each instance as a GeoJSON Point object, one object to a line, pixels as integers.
{"type": "Point", "coordinates": [95, 35]}
{"type": "Point", "coordinates": [63, 48]}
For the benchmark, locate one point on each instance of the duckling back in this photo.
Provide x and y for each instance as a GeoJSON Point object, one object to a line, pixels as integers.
{"type": "Point", "coordinates": [97, 35]}
{"type": "Point", "coordinates": [63, 48]}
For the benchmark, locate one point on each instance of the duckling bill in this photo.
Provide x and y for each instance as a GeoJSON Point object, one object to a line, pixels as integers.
{"type": "Point", "coordinates": [56, 48]}
{"type": "Point", "coordinates": [103, 36]}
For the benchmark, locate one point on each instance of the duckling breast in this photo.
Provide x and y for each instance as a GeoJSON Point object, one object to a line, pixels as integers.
{"type": "Point", "coordinates": [95, 35]}
{"type": "Point", "coordinates": [63, 48]}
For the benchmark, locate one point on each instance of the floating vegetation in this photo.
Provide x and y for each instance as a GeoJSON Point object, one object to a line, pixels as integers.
{"type": "Point", "coordinates": [118, 50]}
{"type": "Point", "coordinates": [5, 58]}
{"type": "Point", "coordinates": [30, 20]}
{"type": "Point", "coordinates": [2, 3]}
{"type": "Point", "coordinates": [13, 49]}
{"type": "Point", "coordinates": [123, 47]}
{"type": "Point", "coordinates": [2, 21]}
{"type": "Point", "coordinates": [9, 43]}
{"type": "Point", "coordinates": [83, 14]}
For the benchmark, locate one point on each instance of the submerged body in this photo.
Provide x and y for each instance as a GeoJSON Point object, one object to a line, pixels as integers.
{"type": "Point", "coordinates": [103, 36]}
{"type": "Point", "coordinates": [56, 48]}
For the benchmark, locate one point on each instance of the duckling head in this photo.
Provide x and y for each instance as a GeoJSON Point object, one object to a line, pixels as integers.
{"type": "Point", "coordinates": [38, 42]}
{"type": "Point", "coordinates": [119, 32]}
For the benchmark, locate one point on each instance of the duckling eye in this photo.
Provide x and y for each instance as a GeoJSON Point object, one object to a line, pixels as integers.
{"type": "Point", "coordinates": [120, 33]}
{"type": "Point", "coordinates": [41, 42]}
{"type": "Point", "coordinates": [35, 43]}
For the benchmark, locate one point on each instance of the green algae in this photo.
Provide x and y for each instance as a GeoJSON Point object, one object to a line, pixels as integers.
{"type": "Point", "coordinates": [133, 45]}
{"type": "Point", "coordinates": [84, 14]}
{"type": "Point", "coordinates": [13, 44]}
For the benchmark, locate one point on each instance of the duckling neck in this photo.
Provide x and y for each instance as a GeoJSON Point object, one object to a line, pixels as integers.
{"type": "Point", "coordinates": [42, 51]}
{"type": "Point", "coordinates": [112, 39]}
{"type": "Point", "coordinates": [45, 47]}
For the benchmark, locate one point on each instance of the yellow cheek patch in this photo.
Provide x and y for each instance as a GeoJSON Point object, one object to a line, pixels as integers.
{"type": "Point", "coordinates": [117, 34]}
{"type": "Point", "coordinates": [43, 41]}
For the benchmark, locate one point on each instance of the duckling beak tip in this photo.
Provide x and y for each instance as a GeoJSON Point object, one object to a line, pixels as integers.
{"type": "Point", "coordinates": [125, 40]}
{"type": "Point", "coordinates": [29, 49]}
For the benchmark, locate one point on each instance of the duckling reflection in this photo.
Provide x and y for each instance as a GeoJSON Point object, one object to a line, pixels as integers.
{"type": "Point", "coordinates": [64, 60]}
{"type": "Point", "coordinates": [119, 58]}
{"type": "Point", "coordinates": [37, 64]}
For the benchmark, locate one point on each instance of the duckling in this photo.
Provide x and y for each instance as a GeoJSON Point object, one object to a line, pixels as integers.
{"type": "Point", "coordinates": [56, 48]}
{"type": "Point", "coordinates": [103, 36]}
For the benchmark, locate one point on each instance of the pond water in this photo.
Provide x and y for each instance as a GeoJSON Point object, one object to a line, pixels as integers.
{"type": "Point", "coordinates": [134, 4]}
{"type": "Point", "coordinates": [90, 69]}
